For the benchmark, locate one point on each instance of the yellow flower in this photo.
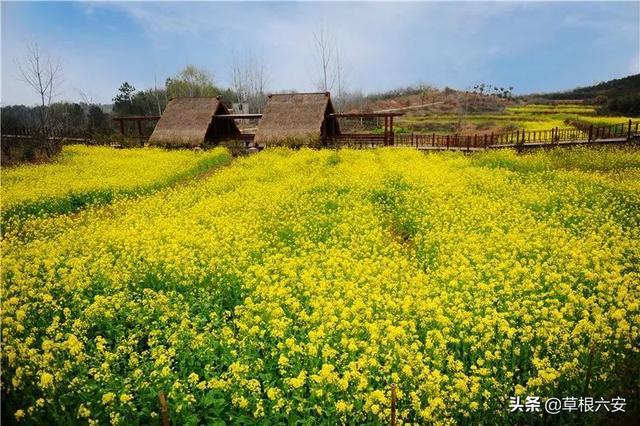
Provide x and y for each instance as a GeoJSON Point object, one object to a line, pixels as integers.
{"type": "Point", "coordinates": [108, 397]}
{"type": "Point", "coordinates": [342, 406]}
{"type": "Point", "coordinates": [240, 401]}
{"type": "Point", "coordinates": [19, 414]}
{"type": "Point", "coordinates": [297, 382]}
{"type": "Point", "coordinates": [407, 371]}
{"type": "Point", "coordinates": [46, 380]}
{"type": "Point", "coordinates": [83, 411]}
{"type": "Point", "coordinates": [283, 361]}
{"type": "Point", "coordinates": [193, 378]}
{"type": "Point", "coordinates": [272, 393]}
{"type": "Point", "coordinates": [301, 281]}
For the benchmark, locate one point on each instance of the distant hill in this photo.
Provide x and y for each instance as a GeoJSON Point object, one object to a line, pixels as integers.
{"type": "Point", "coordinates": [612, 88]}
{"type": "Point", "coordinates": [619, 96]}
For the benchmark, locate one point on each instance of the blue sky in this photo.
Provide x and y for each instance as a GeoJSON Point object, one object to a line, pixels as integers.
{"type": "Point", "coordinates": [533, 46]}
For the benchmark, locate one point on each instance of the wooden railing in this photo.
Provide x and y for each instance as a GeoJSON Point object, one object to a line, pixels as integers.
{"type": "Point", "coordinates": [55, 133]}
{"type": "Point", "coordinates": [519, 137]}
{"type": "Point", "coordinates": [360, 140]}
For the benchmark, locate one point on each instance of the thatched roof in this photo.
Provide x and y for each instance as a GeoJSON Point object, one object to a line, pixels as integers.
{"type": "Point", "coordinates": [189, 122]}
{"type": "Point", "coordinates": [296, 115]}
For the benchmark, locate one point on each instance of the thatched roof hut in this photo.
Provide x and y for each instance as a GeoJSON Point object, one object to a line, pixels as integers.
{"type": "Point", "coordinates": [189, 122]}
{"type": "Point", "coordinates": [301, 117]}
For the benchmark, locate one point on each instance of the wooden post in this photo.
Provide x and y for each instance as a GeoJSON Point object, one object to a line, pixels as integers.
{"type": "Point", "coordinates": [485, 141]}
{"type": "Point", "coordinates": [385, 142]}
{"type": "Point", "coordinates": [121, 127]}
{"type": "Point", "coordinates": [393, 404]}
{"type": "Point", "coordinates": [139, 130]}
{"type": "Point", "coordinates": [164, 409]}
{"type": "Point", "coordinates": [517, 137]}
{"type": "Point", "coordinates": [629, 132]}
{"type": "Point", "coordinates": [392, 139]}
{"type": "Point", "coordinates": [412, 139]}
{"type": "Point", "coordinates": [323, 132]}
{"type": "Point", "coordinates": [590, 133]}
{"type": "Point", "coordinates": [447, 142]}
{"type": "Point", "coordinates": [468, 142]}
{"type": "Point", "coordinates": [491, 138]}
{"type": "Point", "coordinates": [433, 137]}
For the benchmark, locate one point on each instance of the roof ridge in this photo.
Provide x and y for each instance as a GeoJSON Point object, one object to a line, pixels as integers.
{"type": "Point", "coordinates": [299, 93]}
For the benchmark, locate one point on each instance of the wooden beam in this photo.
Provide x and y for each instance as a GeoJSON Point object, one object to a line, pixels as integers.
{"type": "Point", "coordinates": [366, 114]}
{"type": "Point", "coordinates": [237, 116]}
{"type": "Point", "coordinates": [137, 117]}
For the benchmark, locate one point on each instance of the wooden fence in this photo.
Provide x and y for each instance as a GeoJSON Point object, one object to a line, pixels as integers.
{"type": "Point", "coordinates": [517, 138]}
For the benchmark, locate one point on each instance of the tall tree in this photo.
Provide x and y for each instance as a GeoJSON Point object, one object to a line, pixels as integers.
{"type": "Point", "coordinates": [122, 102]}
{"type": "Point", "coordinates": [331, 71]}
{"type": "Point", "coordinates": [250, 79]}
{"type": "Point", "coordinates": [42, 73]}
{"type": "Point", "coordinates": [325, 49]}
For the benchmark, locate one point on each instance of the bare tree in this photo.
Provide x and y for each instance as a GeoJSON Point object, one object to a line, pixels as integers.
{"type": "Point", "coordinates": [155, 93]}
{"type": "Point", "coordinates": [342, 95]}
{"type": "Point", "coordinates": [329, 60]}
{"type": "Point", "coordinates": [86, 98]}
{"type": "Point", "coordinates": [250, 79]}
{"type": "Point", "coordinates": [325, 48]}
{"type": "Point", "coordinates": [42, 74]}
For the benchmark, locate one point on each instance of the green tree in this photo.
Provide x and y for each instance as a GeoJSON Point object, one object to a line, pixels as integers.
{"type": "Point", "coordinates": [191, 82]}
{"type": "Point", "coordinates": [98, 121]}
{"type": "Point", "coordinates": [122, 102]}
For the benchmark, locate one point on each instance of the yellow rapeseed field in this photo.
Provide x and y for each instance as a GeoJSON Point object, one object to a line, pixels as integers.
{"type": "Point", "coordinates": [82, 175]}
{"type": "Point", "coordinates": [298, 285]}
